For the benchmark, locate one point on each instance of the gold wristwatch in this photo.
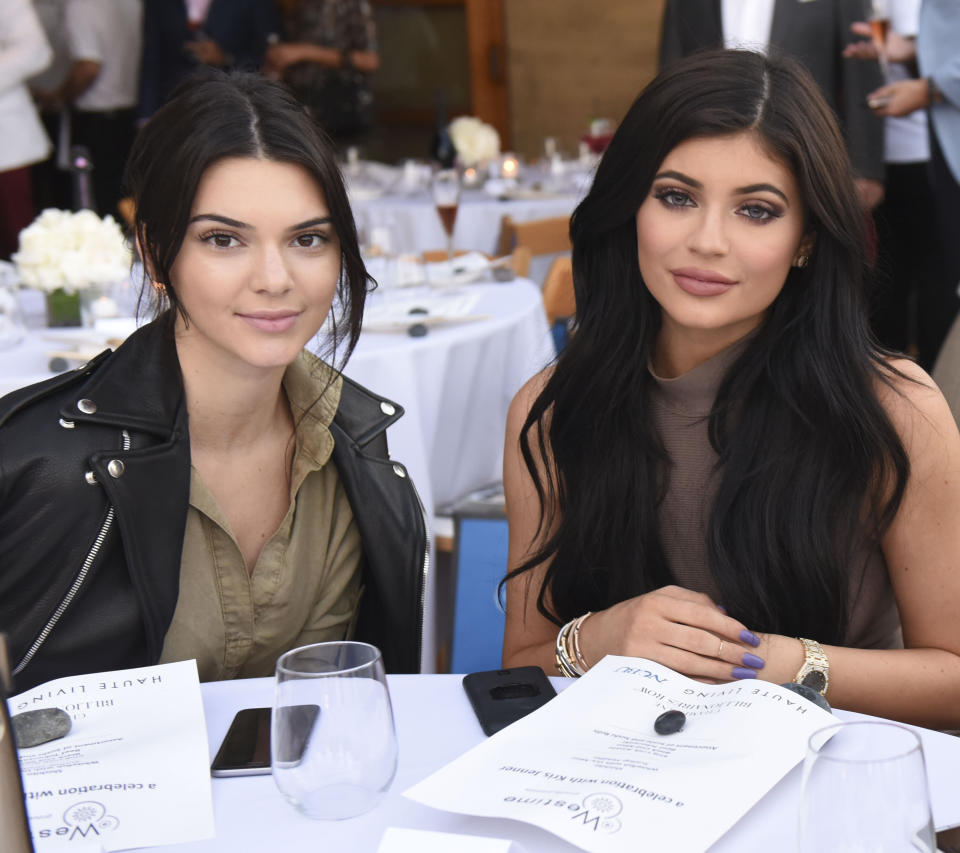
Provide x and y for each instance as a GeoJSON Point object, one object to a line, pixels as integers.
{"type": "Point", "coordinates": [815, 672]}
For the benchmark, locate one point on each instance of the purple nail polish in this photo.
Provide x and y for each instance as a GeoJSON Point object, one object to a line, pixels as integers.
{"type": "Point", "coordinates": [743, 672]}
{"type": "Point", "coordinates": [753, 660]}
{"type": "Point", "coordinates": [721, 608]}
{"type": "Point", "coordinates": [749, 637]}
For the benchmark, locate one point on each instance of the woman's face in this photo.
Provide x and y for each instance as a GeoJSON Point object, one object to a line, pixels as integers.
{"type": "Point", "coordinates": [258, 267]}
{"type": "Point", "coordinates": [716, 237]}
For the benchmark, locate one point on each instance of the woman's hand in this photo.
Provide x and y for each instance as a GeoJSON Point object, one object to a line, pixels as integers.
{"type": "Point", "coordinates": [900, 98]}
{"type": "Point", "coordinates": [678, 628]}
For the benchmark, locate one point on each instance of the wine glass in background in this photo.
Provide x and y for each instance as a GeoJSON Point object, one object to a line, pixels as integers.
{"type": "Point", "coordinates": [333, 747]}
{"type": "Point", "coordinates": [445, 187]}
{"type": "Point", "coordinates": [865, 789]}
{"type": "Point", "coordinates": [879, 30]}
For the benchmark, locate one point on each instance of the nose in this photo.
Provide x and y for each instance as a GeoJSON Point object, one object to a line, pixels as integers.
{"type": "Point", "coordinates": [273, 275]}
{"type": "Point", "coordinates": [708, 234]}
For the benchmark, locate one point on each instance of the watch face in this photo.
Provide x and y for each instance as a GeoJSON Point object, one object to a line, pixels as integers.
{"type": "Point", "coordinates": [815, 681]}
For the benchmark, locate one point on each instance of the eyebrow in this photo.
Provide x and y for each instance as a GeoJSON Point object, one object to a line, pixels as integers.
{"type": "Point", "coordinates": [750, 188]}
{"type": "Point", "coordinates": [236, 223]}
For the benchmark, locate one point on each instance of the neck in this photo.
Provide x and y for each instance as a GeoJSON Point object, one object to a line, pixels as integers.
{"type": "Point", "coordinates": [228, 408]}
{"type": "Point", "coordinates": [679, 350]}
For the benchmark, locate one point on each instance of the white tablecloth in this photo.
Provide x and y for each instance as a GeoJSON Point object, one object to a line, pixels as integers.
{"type": "Point", "coordinates": [435, 724]}
{"type": "Point", "coordinates": [414, 225]}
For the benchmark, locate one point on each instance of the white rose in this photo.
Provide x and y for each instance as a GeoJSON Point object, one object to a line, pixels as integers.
{"type": "Point", "coordinates": [72, 251]}
{"type": "Point", "coordinates": [474, 140]}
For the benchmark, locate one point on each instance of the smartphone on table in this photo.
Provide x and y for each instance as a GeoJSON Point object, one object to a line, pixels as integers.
{"type": "Point", "coordinates": [502, 696]}
{"type": "Point", "coordinates": [245, 750]}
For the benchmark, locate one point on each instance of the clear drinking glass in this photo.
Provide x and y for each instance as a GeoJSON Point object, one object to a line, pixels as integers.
{"type": "Point", "coordinates": [879, 29]}
{"type": "Point", "coordinates": [864, 790]}
{"type": "Point", "coordinates": [333, 748]}
{"type": "Point", "coordinates": [445, 187]}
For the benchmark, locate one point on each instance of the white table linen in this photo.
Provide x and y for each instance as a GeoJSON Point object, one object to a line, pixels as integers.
{"type": "Point", "coordinates": [435, 724]}
{"type": "Point", "coordinates": [414, 225]}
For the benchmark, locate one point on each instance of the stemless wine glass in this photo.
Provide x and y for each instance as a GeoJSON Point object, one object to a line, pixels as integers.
{"type": "Point", "coordinates": [333, 748]}
{"type": "Point", "coordinates": [864, 790]}
{"type": "Point", "coordinates": [445, 187]}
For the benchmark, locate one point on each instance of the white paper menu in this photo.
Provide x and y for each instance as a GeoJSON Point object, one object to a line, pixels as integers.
{"type": "Point", "coordinates": [134, 769]}
{"type": "Point", "coordinates": [589, 767]}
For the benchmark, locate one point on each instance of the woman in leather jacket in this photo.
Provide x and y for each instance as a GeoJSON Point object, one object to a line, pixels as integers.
{"type": "Point", "coordinates": [211, 490]}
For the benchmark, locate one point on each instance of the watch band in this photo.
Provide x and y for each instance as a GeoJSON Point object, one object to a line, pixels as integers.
{"type": "Point", "coordinates": [815, 671]}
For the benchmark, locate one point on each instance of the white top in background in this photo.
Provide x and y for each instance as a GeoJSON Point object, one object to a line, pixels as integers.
{"type": "Point", "coordinates": [747, 23]}
{"type": "Point", "coordinates": [109, 32]}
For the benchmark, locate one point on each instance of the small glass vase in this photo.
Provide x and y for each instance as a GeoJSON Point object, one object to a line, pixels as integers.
{"type": "Point", "coordinates": [63, 309]}
{"type": "Point", "coordinates": [97, 303]}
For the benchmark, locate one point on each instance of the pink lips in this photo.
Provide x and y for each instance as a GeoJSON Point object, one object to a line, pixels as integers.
{"type": "Point", "coordinates": [271, 321]}
{"type": "Point", "coordinates": [699, 282]}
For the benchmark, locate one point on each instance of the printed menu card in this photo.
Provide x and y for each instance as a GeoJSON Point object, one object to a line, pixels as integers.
{"type": "Point", "coordinates": [589, 766]}
{"type": "Point", "coordinates": [133, 771]}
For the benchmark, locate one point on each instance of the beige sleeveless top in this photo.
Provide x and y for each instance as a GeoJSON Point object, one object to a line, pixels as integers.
{"type": "Point", "coordinates": [680, 408]}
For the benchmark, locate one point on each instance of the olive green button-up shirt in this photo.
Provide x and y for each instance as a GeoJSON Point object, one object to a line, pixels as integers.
{"type": "Point", "coordinates": [305, 586]}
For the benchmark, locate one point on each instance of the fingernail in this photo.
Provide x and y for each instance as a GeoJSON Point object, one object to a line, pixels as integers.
{"type": "Point", "coordinates": [743, 672]}
{"type": "Point", "coordinates": [721, 608]}
{"type": "Point", "coordinates": [753, 660]}
{"type": "Point", "coordinates": [749, 637]}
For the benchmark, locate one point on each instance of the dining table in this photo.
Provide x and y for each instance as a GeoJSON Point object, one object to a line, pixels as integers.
{"type": "Point", "coordinates": [435, 724]}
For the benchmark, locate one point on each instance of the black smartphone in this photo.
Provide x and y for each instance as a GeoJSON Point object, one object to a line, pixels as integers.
{"type": "Point", "coordinates": [245, 750]}
{"type": "Point", "coordinates": [502, 696]}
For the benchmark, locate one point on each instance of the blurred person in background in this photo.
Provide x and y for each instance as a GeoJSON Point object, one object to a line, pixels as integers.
{"type": "Point", "coordinates": [936, 90]}
{"type": "Point", "coordinates": [51, 180]}
{"type": "Point", "coordinates": [181, 35]}
{"type": "Point", "coordinates": [904, 308]}
{"type": "Point", "coordinates": [814, 33]}
{"type": "Point", "coordinates": [327, 59]}
{"type": "Point", "coordinates": [24, 51]}
{"type": "Point", "coordinates": [103, 41]}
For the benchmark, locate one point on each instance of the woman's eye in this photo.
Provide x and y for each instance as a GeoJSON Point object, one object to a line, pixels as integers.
{"type": "Point", "coordinates": [759, 212]}
{"type": "Point", "coordinates": [311, 241]}
{"type": "Point", "coordinates": [674, 198]}
{"type": "Point", "coordinates": [220, 240]}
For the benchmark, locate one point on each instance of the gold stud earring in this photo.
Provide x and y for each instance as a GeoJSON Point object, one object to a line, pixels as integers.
{"type": "Point", "coordinates": [801, 261]}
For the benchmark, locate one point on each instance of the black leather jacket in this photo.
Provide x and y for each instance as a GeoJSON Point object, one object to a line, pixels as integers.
{"type": "Point", "coordinates": [94, 489]}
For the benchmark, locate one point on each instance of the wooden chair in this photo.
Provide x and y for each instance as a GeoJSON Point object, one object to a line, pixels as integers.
{"type": "Point", "coordinates": [544, 239]}
{"type": "Point", "coordinates": [558, 298]}
{"type": "Point", "coordinates": [541, 236]}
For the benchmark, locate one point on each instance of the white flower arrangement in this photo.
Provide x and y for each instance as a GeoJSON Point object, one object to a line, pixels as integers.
{"type": "Point", "coordinates": [72, 251]}
{"type": "Point", "coordinates": [474, 140]}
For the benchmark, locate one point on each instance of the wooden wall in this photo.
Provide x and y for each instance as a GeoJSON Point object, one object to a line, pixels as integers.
{"type": "Point", "coordinates": [570, 61]}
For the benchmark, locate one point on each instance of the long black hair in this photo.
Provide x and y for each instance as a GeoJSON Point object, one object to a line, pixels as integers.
{"type": "Point", "coordinates": [811, 471]}
{"type": "Point", "coordinates": [214, 116]}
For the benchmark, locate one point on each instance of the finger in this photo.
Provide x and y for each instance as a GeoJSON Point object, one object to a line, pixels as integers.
{"type": "Point", "coordinates": [711, 619]}
{"type": "Point", "coordinates": [709, 645]}
{"type": "Point", "coordinates": [860, 28]}
{"type": "Point", "coordinates": [697, 666]}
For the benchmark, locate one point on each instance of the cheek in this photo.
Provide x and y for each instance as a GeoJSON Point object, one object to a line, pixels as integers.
{"type": "Point", "coordinates": [769, 259]}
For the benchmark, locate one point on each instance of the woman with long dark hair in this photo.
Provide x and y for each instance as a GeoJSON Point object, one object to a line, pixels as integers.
{"type": "Point", "coordinates": [211, 489]}
{"type": "Point", "coordinates": [722, 461]}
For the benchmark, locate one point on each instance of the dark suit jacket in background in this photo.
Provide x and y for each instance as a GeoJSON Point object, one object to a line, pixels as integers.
{"type": "Point", "coordinates": [240, 27]}
{"type": "Point", "coordinates": [813, 31]}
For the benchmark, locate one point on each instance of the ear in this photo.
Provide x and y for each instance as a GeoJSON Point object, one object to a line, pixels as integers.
{"type": "Point", "coordinates": [804, 250]}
